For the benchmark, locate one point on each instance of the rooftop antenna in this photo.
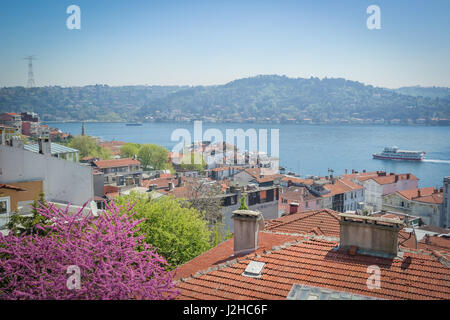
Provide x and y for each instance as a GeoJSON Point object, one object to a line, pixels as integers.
{"type": "Point", "coordinates": [30, 82]}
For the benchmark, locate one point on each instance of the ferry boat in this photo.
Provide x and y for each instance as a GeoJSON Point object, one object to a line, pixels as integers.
{"type": "Point", "coordinates": [134, 124]}
{"type": "Point", "coordinates": [393, 153]}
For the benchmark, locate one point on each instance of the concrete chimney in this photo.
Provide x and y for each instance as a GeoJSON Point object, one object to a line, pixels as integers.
{"type": "Point", "coordinates": [17, 142]}
{"type": "Point", "coordinates": [247, 224]}
{"type": "Point", "coordinates": [293, 207]}
{"type": "Point", "coordinates": [44, 145]}
{"type": "Point", "coordinates": [371, 235]}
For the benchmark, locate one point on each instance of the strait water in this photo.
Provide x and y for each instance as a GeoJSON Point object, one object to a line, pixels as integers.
{"type": "Point", "coordinates": [312, 149]}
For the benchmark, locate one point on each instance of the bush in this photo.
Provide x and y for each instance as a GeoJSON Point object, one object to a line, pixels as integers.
{"type": "Point", "coordinates": [114, 262]}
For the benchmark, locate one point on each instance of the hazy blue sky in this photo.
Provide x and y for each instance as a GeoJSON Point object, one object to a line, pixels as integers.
{"type": "Point", "coordinates": [213, 42]}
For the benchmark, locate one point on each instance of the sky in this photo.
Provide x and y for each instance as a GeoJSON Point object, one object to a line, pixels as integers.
{"type": "Point", "coordinates": [213, 42]}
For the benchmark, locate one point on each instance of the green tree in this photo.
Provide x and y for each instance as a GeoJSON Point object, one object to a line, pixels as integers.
{"type": "Point", "coordinates": [28, 224]}
{"type": "Point", "coordinates": [85, 144]}
{"type": "Point", "coordinates": [193, 161]}
{"type": "Point", "coordinates": [243, 205]}
{"type": "Point", "coordinates": [128, 150]}
{"type": "Point", "coordinates": [102, 153]}
{"type": "Point", "coordinates": [153, 156]}
{"type": "Point", "coordinates": [179, 233]}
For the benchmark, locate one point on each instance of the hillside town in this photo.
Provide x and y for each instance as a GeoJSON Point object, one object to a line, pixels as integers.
{"type": "Point", "coordinates": [331, 226]}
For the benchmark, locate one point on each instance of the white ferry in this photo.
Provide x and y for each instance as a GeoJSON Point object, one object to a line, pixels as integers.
{"type": "Point", "coordinates": [393, 153]}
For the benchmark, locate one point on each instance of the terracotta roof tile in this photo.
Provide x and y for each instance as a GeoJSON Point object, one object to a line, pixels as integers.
{"type": "Point", "coordinates": [116, 163]}
{"type": "Point", "coordinates": [314, 262]}
{"type": "Point", "coordinates": [310, 259]}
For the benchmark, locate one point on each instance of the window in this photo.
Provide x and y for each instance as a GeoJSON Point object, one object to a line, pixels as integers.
{"type": "Point", "coordinates": [4, 205]}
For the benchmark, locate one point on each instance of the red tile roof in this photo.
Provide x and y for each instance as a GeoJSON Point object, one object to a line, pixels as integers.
{"type": "Point", "coordinates": [305, 222]}
{"type": "Point", "coordinates": [304, 251]}
{"type": "Point", "coordinates": [390, 178]}
{"type": "Point", "coordinates": [315, 262]}
{"type": "Point", "coordinates": [429, 195]}
{"type": "Point", "coordinates": [116, 163]}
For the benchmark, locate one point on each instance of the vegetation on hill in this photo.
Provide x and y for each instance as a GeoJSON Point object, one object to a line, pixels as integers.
{"type": "Point", "coordinates": [260, 97]}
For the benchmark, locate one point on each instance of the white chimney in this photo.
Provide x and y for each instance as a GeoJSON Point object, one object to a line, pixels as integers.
{"type": "Point", "coordinates": [44, 145]}
{"type": "Point", "coordinates": [247, 224]}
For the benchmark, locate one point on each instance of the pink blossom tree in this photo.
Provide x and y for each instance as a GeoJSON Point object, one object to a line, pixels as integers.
{"type": "Point", "coordinates": [83, 257]}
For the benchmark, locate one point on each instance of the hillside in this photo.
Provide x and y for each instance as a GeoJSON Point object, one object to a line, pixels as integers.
{"type": "Point", "coordinates": [276, 97]}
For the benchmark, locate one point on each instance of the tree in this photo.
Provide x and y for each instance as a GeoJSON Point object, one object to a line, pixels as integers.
{"type": "Point", "coordinates": [179, 233]}
{"type": "Point", "coordinates": [243, 205]}
{"type": "Point", "coordinates": [103, 255]}
{"type": "Point", "coordinates": [153, 156]}
{"type": "Point", "coordinates": [85, 144]}
{"type": "Point", "coordinates": [29, 224]}
{"type": "Point", "coordinates": [129, 150]}
{"type": "Point", "coordinates": [89, 147]}
{"type": "Point", "coordinates": [193, 161]}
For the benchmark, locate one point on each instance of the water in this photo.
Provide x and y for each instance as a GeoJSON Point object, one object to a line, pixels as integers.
{"type": "Point", "coordinates": [312, 149]}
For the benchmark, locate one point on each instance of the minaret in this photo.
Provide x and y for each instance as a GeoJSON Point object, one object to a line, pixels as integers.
{"type": "Point", "coordinates": [82, 129]}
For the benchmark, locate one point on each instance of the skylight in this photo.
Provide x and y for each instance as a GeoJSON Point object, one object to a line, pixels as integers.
{"type": "Point", "coordinates": [254, 269]}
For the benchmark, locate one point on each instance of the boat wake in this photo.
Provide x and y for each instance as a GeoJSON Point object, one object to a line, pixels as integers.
{"type": "Point", "coordinates": [436, 161]}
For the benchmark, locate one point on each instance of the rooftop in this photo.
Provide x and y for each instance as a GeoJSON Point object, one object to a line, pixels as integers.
{"type": "Point", "coordinates": [116, 163]}
{"type": "Point", "coordinates": [302, 251]}
{"type": "Point", "coordinates": [54, 148]}
{"type": "Point", "coordinates": [429, 195]}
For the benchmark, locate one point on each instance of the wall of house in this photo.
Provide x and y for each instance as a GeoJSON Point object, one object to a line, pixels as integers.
{"type": "Point", "coordinates": [352, 199]}
{"type": "Point", "coordinates": [445, 208]}
{"type": "Point", "coordinates": [429, 212]}
{"type": "Point", "coordinates": [269, 210]}
{"type": "Point", "coordinates": [33, 189]}
{"type": "Point", "coordinates": [63, 181]}
{"type": "Point", "coordinates": [399, 186]}
{"type": "Point", "coordinates": [373, 192]}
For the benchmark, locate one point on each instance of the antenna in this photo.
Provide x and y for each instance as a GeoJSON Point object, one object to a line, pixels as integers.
{"type": "Point", "coordinates": [30, 82]}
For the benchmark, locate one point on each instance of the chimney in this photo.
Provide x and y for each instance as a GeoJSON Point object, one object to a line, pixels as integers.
{"type": "Point", "coordinates": [371, 235]}
{"type": "Point", "coordinates": [418, 193]}
{"type": "Point", "coordinates": [407, 176]}
{"type": "Point", "coordinates": [247, 224]}
{"type": "Point", "coordinates": [151, 187]}
{"type": "Point", "coordinates": [171, 186]}
{"type": "Point", "coordinates": [396, 178]}
{"type": "Point", "coordinates": [44, 145]}
{"type": "Point", "coordinates": [293, 207]}
{"type": "Point", "coordinates": [364, 170]}
{"type": "Point", "coordinates": [17, 142]}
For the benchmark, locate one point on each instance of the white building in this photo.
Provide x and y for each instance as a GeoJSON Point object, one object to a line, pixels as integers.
{"type": "Point", "coordinates": [424, 203]}
{"type": "Point", "coordinates": [445, 208]}
{"type": "Point", "coordinates": [378, 184]}
{"type": "Point", "coordinates": [63, 181]}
